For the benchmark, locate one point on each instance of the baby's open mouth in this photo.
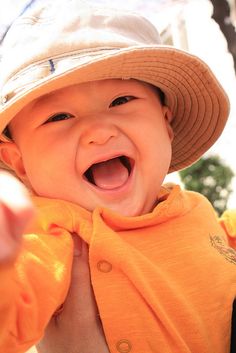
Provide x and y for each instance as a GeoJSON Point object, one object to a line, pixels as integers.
{"type": "Point", "coordinates": [110, 174]}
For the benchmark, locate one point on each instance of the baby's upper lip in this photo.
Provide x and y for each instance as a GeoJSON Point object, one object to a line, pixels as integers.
{"type": "Point", "coordinates": [88, 174]}
{"type": "Point", "coordinates": [105, 158]}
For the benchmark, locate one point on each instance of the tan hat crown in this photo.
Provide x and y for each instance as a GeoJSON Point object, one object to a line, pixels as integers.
{"type": "Point", "coordinates": [45, 35]}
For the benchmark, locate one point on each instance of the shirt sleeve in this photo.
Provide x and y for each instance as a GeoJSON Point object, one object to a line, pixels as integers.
{"type": "Point", "coordinates": [32, 288]}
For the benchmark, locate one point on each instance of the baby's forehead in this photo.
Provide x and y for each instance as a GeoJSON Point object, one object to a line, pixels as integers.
{"type": "Point", "coordinates": [52, 97]}
{"type": "Point", "coordinates": [99, 86]}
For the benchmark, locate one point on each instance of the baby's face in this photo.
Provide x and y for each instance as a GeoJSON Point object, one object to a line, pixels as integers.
{"type": "Point", "coordinates": [103, 143]}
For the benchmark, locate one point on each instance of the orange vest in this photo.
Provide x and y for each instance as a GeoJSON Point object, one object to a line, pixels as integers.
{"type": "Point", "coordinates": [164, 282]}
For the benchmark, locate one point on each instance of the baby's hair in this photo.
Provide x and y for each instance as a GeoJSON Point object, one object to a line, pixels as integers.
{"type": "Point", "coordinates": [161, 95]}
{"type": "Point", "coordinates": [6, 132]}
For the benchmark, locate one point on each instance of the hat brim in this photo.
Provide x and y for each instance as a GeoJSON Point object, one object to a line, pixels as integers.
{"type": "Point", "coordinates": [198, 102]}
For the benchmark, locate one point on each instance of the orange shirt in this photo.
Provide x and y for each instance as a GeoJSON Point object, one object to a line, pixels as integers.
{"type": "Point", "coordinates": [163, 282]}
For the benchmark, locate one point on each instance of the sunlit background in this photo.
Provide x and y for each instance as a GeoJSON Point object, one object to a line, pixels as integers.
{"type": "Point", "coordinates": [187, 24]}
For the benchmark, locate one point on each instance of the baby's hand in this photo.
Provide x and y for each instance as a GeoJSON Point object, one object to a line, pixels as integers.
{"type": "Point", "coordinates": [16, 211]}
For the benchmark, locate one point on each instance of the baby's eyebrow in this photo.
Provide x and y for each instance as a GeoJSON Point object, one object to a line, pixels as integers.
{"type": "Point", "coordinates": [45, 99]}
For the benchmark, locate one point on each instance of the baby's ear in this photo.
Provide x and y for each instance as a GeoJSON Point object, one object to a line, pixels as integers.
{"type": "Point", "coordinates": [11, 156]}
{"type": "Point", "coordinates": [168, 119]}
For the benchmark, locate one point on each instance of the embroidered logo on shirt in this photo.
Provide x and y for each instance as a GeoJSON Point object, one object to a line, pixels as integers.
{"type": "Point", "coordinates": [219, 244]}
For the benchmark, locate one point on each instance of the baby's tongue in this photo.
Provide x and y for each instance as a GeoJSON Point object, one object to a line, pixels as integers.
{"type": "Point", "coordinates": [110, 174]}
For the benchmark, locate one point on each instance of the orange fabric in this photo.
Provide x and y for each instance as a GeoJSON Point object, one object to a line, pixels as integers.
{"type": "Point", "coordinates": [163, 282]}
{"type": "Point", "coordinates": [228, 222]}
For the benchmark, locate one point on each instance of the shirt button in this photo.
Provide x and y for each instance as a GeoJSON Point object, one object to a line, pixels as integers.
{"type": "Point", "coordinates": [123, 346]}
{"type": "Point", "coordinates": [104, 266]}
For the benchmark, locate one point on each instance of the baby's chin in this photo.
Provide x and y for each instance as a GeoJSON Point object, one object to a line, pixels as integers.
{"type": "Point", "coordinates": [122, 207]}
{"type": "Point", "coordinates": [129, 210]}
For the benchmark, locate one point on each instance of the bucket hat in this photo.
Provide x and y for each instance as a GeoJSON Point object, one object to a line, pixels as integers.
{"type": "Point", "coordinates": [70, 42]}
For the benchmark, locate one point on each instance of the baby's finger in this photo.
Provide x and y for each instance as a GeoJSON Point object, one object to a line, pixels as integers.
{"type": "Point", "coordinates": [13, 193]}
{"type": "Point", "coordinates": [16, 211]}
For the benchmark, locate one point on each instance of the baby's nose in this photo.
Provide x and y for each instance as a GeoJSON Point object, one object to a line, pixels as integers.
{"type": "Point", "coordinates": [98, 133]}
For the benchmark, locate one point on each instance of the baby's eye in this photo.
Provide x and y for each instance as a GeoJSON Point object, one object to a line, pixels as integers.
{"type": "Point", "coordinates": [59, 117]}
{"type": "Point", "coordinates": [121, 100]}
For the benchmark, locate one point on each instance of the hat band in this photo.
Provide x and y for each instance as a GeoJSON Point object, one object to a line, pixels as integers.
{"type": "Point", "coordinates": [54, 66]}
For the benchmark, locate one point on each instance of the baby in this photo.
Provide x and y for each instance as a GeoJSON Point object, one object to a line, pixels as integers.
{"type": "Point", "coordinates": [95, 112]}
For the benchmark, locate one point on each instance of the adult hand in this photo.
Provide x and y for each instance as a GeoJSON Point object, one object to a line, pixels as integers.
{"type": "Point", "coordinates": [16, 211]}
{"type": "Point", "coordinates": [77, 328]}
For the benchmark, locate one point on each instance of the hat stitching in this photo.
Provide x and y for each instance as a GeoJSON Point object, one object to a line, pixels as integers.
{"type": "Point", "coordinates": [199, 129]}
{"type": "Point", "coordinates": [214, 106]}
